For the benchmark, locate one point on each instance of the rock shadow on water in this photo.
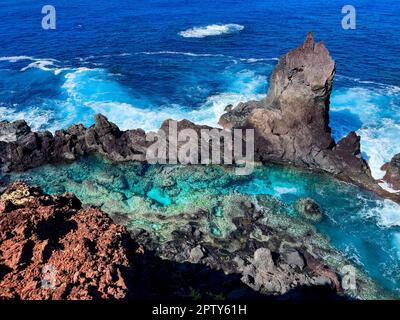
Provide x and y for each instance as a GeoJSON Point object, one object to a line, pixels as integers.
{"type": "Point", "coordinates": [159, 279]}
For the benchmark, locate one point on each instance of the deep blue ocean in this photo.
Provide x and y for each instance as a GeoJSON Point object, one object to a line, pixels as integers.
{"type": "Point", "coordinates": [140, 62]}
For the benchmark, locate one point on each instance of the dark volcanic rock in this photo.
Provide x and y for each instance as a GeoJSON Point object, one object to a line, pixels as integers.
{"type": "Point", "coordinates": [392, 175]}
{"type": "Point", "coordinates": [21, 149]}
{"type": "Point", "coordinates": [292, 123]}
{"type": "Point", "coordinates": [12, 132]}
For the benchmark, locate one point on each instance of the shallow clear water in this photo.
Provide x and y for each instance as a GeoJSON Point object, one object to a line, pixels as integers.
{"type": "Point", "coordinates": [361, 226]}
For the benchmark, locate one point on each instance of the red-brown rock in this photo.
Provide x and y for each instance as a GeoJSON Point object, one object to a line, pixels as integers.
{"type": "Point", "coordinates": [51, 248]}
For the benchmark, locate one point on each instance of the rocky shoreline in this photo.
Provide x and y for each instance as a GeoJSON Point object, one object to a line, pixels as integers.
{"type": "Point", "coordinates": [291, 127]}
{"type": "Point", "coordinates": [263, 255]}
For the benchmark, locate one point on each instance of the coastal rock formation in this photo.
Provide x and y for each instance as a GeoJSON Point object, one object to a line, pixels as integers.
{"type": "Point", "coordinates": [281, 257]}
{"type": "Point", "coordinates": [21, 149]}
{"type": "Point", "coordinates": [292, 122]}
{"type": "Point", "coordinates": [51, 248]}
{"type": "Point", "coordinates": [392, 175]}
{"type": "Point", "coordinates": [291, 127]}
{"type": "Point", "coordinates": [269, 259]}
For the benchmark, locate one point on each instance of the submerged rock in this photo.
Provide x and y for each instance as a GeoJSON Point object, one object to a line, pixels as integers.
{"type": "Point", "coordinates": [309, 209]}
{"type": "Point", "coordinates": [159, 196]}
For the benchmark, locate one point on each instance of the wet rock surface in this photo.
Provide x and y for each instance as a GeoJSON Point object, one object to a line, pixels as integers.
{"type": "Point", "coordinates": [279, 256]}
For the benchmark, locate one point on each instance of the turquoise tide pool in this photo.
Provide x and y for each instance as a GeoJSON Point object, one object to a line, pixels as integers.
{"type": "Point", "coordinates": [361, 226]}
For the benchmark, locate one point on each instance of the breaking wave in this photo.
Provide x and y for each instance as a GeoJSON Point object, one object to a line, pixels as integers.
{"type": "Point", "coordinates": [84, 92]}
{"type": "Point", "coordinates": [211, 30]}
{"type": "Point", "coordinates": [374, 113]}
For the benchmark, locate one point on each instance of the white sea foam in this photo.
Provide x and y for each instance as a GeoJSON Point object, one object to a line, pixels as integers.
{"type": "Point", "coordinates": [243, 88]}
{"type": "Point", "coordinates": [40, 64]}
{"type": "Point", "coordinates": [47, 64]}
{"type": "Point", "coordinates": [92, 57]}
{"type": "Point", "coordinates": [190, 54]}
{"type": "Point", "coordinates": [211, 30]}
{"type": "Point", "coordinates": [379, 145]}
{"type": "Point", "coordinates": [124, 113]}
{"type": "Point", "coordinates": [14, 59]}
{"type": "Point", "coordinates": [208, 55]}
{"type": "Point", "coordinates": [94, 90]}
{"type": "Point", "coordinates": [384, 185]}
{"type": "Point", "coordinates": [378, 111]}
{"type": "Point", "coordinates": [255, 60]}
{"type": "Point", "coordinates": [386, 212]}
{"type": "Point", "coordinates": [128, 116]}
{"type": "Point", "coordinates": [36, 118]}
{"type": "Point", "coordinates": [389, 88]}
{"type": "Point", "coordinates": [210, 112]}
{"type": "Point", "coordinates": [285, 190]}
{"type": "Point", "coordinates": [91, 91]}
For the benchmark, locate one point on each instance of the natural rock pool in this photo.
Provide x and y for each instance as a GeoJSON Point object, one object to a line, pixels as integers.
{"type": "Point", "coordinates": [362, 227]}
